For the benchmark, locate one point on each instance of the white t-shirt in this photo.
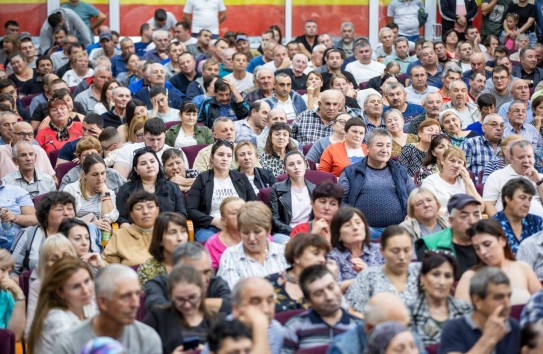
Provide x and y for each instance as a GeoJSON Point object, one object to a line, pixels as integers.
{"type": "Point", "coordinates": [222, 188]}
{"type": "Point", "coordinates": [288, 107]}
{"type": "Point", "coordinates": [170, 22]}
{"type": "Point", "coordinates": [355, 155]}
{"type": "Point", "coordinates": [242, 85]}
{"type": "Point", "coordinates": [126, 153]}
{"type": "Point", "coordinates": [405, 15]}
{"type": "Point", "coordinates": [495, 182]}
{"type": "Point", "coordinates": [442, 189]}
{"type": "Point", "coordinates": [171, 116]}
{"type": "Point", "coordinates": [205, 14]}
{"type": "Point", "coordinates": [365, 72]}
{"type": "Point", "coordinates": [301, 206]}
{"type": "Point", "coordinates": [252, 181]}
{"type": "Point", "coordinates": [182, 140]}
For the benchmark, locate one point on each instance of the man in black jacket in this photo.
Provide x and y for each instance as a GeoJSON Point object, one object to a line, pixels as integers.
{"type": "Point", "coordinates": [194, 254]}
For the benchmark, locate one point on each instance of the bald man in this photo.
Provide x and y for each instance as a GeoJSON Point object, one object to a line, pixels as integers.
{"type": "Point", "coordinates": [299, 64]}
{"type": "Point", "coordinates": [478, 63]}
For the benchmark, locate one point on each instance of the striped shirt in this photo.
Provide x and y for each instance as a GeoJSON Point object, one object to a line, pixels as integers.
{"type": "Point", "coordinates": [527, 131]}
{"type": "Point", "coordinates": [308, 330]}
{"type": "Point", "coordinates": [479, 152]}
{"type": "Point", "coordinates": [236, 264]}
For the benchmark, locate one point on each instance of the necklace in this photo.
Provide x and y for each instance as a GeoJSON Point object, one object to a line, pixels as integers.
{"type": "Point", "coordinates": [290, 278]}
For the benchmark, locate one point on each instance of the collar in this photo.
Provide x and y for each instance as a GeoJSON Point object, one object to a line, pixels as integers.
{"type": "Point", "coordinates": [35, 179]}
{"type": "Point", "coordinates": [472, 325]}
{"type": "Point", "coordinates": [315, 318]}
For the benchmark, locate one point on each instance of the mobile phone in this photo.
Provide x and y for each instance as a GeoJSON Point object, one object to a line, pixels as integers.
{"type": "Point", "coordinates": [191, 343]}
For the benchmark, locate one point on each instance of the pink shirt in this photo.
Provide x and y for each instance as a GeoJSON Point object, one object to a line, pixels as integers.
{"type": "Point", "coordinates": [216, 248]}
{"type": "Point", "coordinates": [43, 164]}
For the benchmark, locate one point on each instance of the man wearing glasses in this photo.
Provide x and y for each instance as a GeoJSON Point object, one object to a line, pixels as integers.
{"type": "Point", "coordinates": [23, 131]}
{"type": "Point", "coordinates": [501, 77]}
{"type": "Point", "coordinates": [482, 149]}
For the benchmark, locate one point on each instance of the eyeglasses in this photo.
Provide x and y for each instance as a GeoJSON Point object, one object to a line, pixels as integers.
{"type": "Point", "coordinates": [192, 299]}
{"type": "Point", "coordinates": [341, 121]}
{"type": "Point", "coordinates": [500, 78]}
{"type": "Point", "coordinates": [495, 125]}
{"type": "Point", "coordinates": [23, 134]}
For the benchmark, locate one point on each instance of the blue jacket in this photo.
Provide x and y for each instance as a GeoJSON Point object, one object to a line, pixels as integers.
{"type": "Point", "coordinates": [175, 97]}
{"type": "Point", "coordinates": [356, 175]}
{"type": "Point", "coordinates": [297, 101]}
{"type": "Point", "coordinates": [210, 110]}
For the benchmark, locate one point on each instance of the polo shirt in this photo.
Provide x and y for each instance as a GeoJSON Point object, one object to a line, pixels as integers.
{"type": "Point", "coordinates": [12, 198]}
{"type": "Point", "coordinates": [111, 119]}
{"type": "Point", "coordinates": [40, 184]}
{"type": "Point", "coordinates": [86, 98]}
{"type": "Point", "coordinates": [308, 330]}
{"type": "Point", "coordinates": [364, 72]}
{"type": "Point", "coordinates": [461, 334]}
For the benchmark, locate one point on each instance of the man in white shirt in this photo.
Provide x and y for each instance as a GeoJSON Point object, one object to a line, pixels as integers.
{"type": "Point", "coordinates": [280, 59]}
{"type": "Point", "coordinates": [364, 68]}
{"type": "Point", "coordinates": [240, 77]}
{"type": "Point", "coordinates": [522, 165]}
{"type": "Point", "coordinates": [285, 98]}
{"type": "Point", "coordinates": [162, 20]}
{"type": "Point", "coordinates": [206, 14]}
{"type": "Point", "coordinates": [154, 135]}
{"type": "Point", "coordinates": [182, 33]}
{"type": "Point", "coordinates": [251, 127]}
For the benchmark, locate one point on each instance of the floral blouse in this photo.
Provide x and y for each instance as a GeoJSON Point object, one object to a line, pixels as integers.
{"type": "Point", "coordinates": [371, 256]}
{"type": "Point", "coordinates": [424, 172]}
{"type": "Point", "coordinates": [149, 270]}
{"type": "Point", "coordinates": [397, 148]}
{"type": "Point", "coordinates": [373, 280]}
{"type": "Point", "coordinates": [283, 301]}
{"type": "Point", "coordinates": [411, 158]}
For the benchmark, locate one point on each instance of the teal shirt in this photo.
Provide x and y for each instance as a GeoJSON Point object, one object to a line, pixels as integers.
{"type": "Point", "coordinates": [86, 12]}
{"type": "Point", "coordinates": [7, 303]}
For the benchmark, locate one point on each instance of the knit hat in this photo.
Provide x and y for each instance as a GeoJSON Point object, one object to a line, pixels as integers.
{"type": "Point", "coordinates": [381, 336]}
{"type": "Point", "coordinates": [103, 345]}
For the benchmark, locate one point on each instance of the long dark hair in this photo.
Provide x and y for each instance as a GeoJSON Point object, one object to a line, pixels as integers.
{"type": "Point", "coordinates": [131, 109]}
{"type": "Point", "coordinates": [434, 259]}
{"type": "Point", "coordinates": [494, 228]}
{"type": "Point", "coordinates": [342, 216]}
{"type": "Point", "coordinates": [268, 148]}
{"type": "Point", "coordinates": [103, 93]}
{"type": "Point", "coordinates": [430, 159]}
{"type": "Point", "coordinates": [156, 248]}
{"type": "Point", "coordinates": [133, 176]}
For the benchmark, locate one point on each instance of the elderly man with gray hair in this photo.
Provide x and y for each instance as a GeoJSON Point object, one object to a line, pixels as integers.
{"type": "Point", "coordinates": [28, 178]}
{"type": "Point", "coordinates": [117, 292]}
{"type": "Point", "coordinates": [489, 329]}
{"type": "Point", "coordinates": [156, 75]}
{"type": "Point", "coordinates": [468, 112]}
{"type": "Point", "coordinates": [115, 116]}
{"type": "Point", "coordinates": [161, 40]}
{"type": "Point", "coordinates": [194, 254]}
{"type": "Point", "coordinates": [91, 96]}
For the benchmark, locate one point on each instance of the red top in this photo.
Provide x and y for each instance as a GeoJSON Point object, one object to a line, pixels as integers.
{"type": "Point", "coordinates": [47, 137]}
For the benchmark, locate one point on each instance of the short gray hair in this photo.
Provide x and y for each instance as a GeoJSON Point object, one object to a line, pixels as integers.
{"type": "Point", "coordinates": [478, 284]}
{"type": "Point", "coordinates": [190, 250]}
{"type": "Point", "coordinates": [375, 133]}
{"type": "Point", "coordinates": [520, 143]}
{"type": "Point", "coordinates": [151, 66]}
{"type": "Point", "coordinates": [221, 120]}
{"type": "Point", "coordinates": [392, 86]}
{"type": "Point", "coordinates": [393, 110]}
{"type": "Point", "coordinates": [106, 280]}
{"type": "Point", "coordinates": [371, 95]}
{"type": "Point", "coordinates": [118, 89]}
{"type": "Point", "coordinates": [451, 69]}
{"type": "Point", "coordinates": [347, 24]}
{"type": "Point", "coordinates": [102, 68]}
{"type": "Point", "coordinates": [15, 151]}
{"type": "Point", "coordinates": [158, 32]}
{"type": "Point", "coordinates": [460, 81]}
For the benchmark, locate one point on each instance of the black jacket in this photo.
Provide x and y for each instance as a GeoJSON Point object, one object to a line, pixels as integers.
{"type": "Point", "coordinates": [156, 292]}
{"type": "Point", "coordinates": [201, 193]}
{"type": "Point", "coordinates": [447, 9]}
{"type": "Point", "coordinates": [264, 178]}
{"type": "Point", "coordinates": [210, 110]}
{"type": "Point", "coordinates": [170, 198]}
{"type": "Point", "coordinates": [281, 205]}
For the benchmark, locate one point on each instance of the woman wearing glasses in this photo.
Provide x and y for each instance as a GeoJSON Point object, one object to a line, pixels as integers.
{"type": "Point", "coordinates": [62, 127]}
{"type": "Point", "coordinates": [340, 155]}
{"type": "Point", "coordinates": [212, 186]}
{"type": "Point", "coordinates": [186, 316]}
{"type": "Point", "coordinates": [147, 174]}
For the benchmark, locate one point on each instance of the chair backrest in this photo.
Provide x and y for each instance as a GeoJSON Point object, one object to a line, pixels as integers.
{"type": "Point", "coordinates": [53, 156]}
{"type": "Point", "coordinates": [140, 315]}
{"type": "Point", "coordinates": [312, 164]}
{"type": "Point", "coordinates": [171, 124]}
{"type": "Point", "coordinates": [28, 99]}
{"type": "Point", "coordinates": [36, 200]}
{"type": "Point", "coordinates": [480, 187]}
{"type": "Point", "coordinates": [321, 349]}
{"type": "Point", "coordinates": [24, 284]}
{"type": "Point", "coordinates": [432, 349]}
{"type": "Point", "coordinates": [191, 152]}
{"type": "Point", "coordinates": [314, 177]}
{"type": "Point", "coordinates": [264, 195]}
{"type": "Point", "coordinates": [64, 168]}
{"type": "Point", "coordinates": [516, 310]}
{"type": "Point", "coordinates": [7, 341]}
{"type": "Point", "coordinates": [306, 148]}
{"type": "Point", "coordinates": [283, 316]}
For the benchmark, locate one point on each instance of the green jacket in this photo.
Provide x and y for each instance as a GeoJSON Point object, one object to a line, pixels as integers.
{"type": "Point", "coordinates": [441, 240]}
{"type": "Point", "coordinates": [202, 135]}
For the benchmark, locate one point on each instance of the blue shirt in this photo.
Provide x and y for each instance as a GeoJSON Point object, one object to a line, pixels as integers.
{"type": "Point", "coordinates": [12, 198]}
{"type": "Point", "coordinates": [531, 224]}
{"type": "Point", "coordinates": [533, 310]}
{"type": "Point", "coordinates": [118, 65]}
{"type": "Point", "coordinates": [254, 63]}
{"type": "Point", "coordinates": [411, 111]}
{"type": "Point", "coordinates": [479, 152]}
{"type": "Point", "coordinates": [140, 48]}
{"type": "Point", "coordinates": [476, 127]}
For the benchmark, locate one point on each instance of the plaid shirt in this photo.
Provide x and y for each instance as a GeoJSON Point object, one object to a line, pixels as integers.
{"type": "Point", "coordinates": [527, 131]}
{"type": "Point", "coordinates": [478, 152]}
{"type": "Point", "coordinates": [533, 310]}
{"type": "Point", "coordinates": [531, 224]}
{"type": "Point", "coordinates": [308, 127]}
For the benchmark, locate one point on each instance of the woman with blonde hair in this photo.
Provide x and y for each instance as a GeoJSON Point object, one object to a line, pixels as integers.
{"type": "Point", "coordinates": [80, 71]}
{"type": "Point", "coordinates": [135, 130]}
{"type": "Point", "coordinates": [423, 216]}
{"type": "Point", "coordinates": [66, 299]}
{"type": "Point", "coordinates": [54, 247]}
{"type": "Point", "coordinates": [453, 178]}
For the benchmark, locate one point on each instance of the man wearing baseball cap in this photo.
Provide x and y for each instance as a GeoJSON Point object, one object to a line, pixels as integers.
{"type": "Point", "coordinates": [107, 47]}
{"type": "Point", "coordinates": [464, 211]}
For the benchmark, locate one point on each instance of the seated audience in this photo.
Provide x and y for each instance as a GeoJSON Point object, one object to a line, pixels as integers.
{"type": "Point", "coordinates": [106, 97]}
{"type": "Point", "coordinates": [432, 162]}
{"type": "Point", "coordinates": [452, 126]}
{"type": "Point", "coordinates": [211, 187]}
{"type": "Point", "coordinates": [489, 328]}
{"type": "Point", "coordinates": [290, 200]}
{"type": "Point", "coordinates": [80, 69]}
{"type": "Point", "coordinates": [193, 254]}
{"type": "Point", "coordinates": [301, 252]}
{"type": "Point", "coordinates": [169, 231]}
{"type": "Point", "coordinates": [74, 110]}
{"type": "Point", "coordinates": [398, 275]}
{"type": "Point", "coordinates": [188, 133]}
{"type": "Point", "coordinates": [255, 255]}
{"type": "Point", "coordinates": [314, 84]}
{"type": "Point", "coordinates": [161, 109]}
{"type": "Point", "coordinates": [175, 171]}
{"type": "Point", "coordinates": [50, 211]}
{"type": "Point", "coordinates": [134, 108]}
{"type": "Point", "coordinates": [452, 178]}
{"type": "Point", "coordinates": [117, 296]}
{"type": "Point", "coordinates": [515, 219]}
{"type": "Point", "coordinates": [228, 236]}
{"type": "Point", "coordinates": [246, 156]}
{"type": "Point", "coordinates": [502, 158]}
{"type": "Point", "coordinates": [531, 336]}
{"type": "Point", "coordinates": [12, 297]}
{"type": "Point", "coordinates": [530, 252]}
{"type": "Point", "coordinates": [77, 232]}
{"type": "Point", "coordinates": [94, 201]}
{"type": "Point", "coordinates": [148, 175]}
{"type": "Point", "coordinates": [338, 135]}
{"type": "Point", "coordinates": [435, 304]}
{"type": "Point", "coordinates": [130, 244]}
{"type": "Point", "coordinates": [22, 72]}
{"type": "Point", "coordinates": [412, 155]}
{"type": "Point", "coordinates": [66, 300]}
{"type": "Point", "coordinates": [228, 336]}
{"type": "Point", "coordinates": [278, 144]}
{"type": "Point", "coordinates": [326, 317]}
{"type": "Point", "coordinates": [394, 122]}
{"type": "Point", "coordinates": [490, 244]}
{"type": "Point", "coordinates": [187, 317]}
{"type": "Point", "coordinates": [423, 216]}
{"type": "Point", "coordinates": [390, 337]}
{"type": "Point", "coordinates": [339, 155]}
{"type": "Point", "coordinates": [352, 250]}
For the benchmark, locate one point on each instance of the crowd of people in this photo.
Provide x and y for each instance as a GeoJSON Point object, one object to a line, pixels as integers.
{"type": "Point", "coordinates": [190, 193]}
